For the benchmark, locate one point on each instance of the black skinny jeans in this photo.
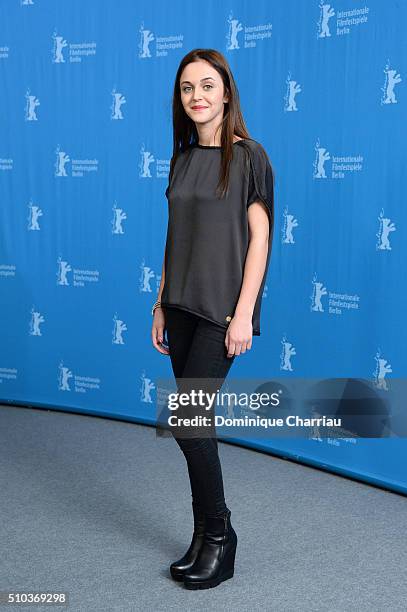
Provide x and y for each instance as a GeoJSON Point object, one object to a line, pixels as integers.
{"type": "Point", "coordinates": [197, 350]}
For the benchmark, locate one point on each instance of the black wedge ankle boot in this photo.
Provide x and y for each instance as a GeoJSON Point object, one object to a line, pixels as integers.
{"type": "Point", "coordinates": [216, 558]}
{"type": "Point", "coordinates": [178, 568]}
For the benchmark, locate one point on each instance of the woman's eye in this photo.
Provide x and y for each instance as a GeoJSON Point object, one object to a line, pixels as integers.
{"type": "Point", "coordinates": [184, 89]}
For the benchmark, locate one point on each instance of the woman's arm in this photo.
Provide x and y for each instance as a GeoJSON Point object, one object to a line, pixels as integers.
{"type": "Point", "coordinates": [162, 281]}
{"type": "Point", "coordinates": [240, 328]}
{"type": "Point", "coordinates": [158, 327]}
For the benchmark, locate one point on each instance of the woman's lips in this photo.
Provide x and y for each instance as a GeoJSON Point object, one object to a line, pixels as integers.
{"type": "Point", "coordinates": [198, 108]}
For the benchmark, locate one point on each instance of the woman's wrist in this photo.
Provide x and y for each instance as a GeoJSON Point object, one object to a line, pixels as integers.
{"type": "Point", "coordinates": [156, 304]}
{"type": "Point", "coordinates": [244, 313]}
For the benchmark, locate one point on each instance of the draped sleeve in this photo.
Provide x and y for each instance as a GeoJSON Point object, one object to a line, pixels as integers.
{"type": "Point", "coordinates": [260, 187]}
{"type": "Point", "coordinates": [261, 180]}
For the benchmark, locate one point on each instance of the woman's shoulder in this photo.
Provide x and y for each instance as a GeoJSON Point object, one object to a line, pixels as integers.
{"type": "Point", "coordinates": [252, 145]}
{"type": "Point", "coordinates": [256, 152]}
{"type": "Point", "coordinates": [261, 171]}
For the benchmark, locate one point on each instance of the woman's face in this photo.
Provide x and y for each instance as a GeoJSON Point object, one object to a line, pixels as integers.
{"type": "Point", "coordinates": [202, 87]}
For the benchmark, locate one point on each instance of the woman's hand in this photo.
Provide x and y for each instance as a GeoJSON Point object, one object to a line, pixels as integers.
{"type": "Point", "coordinates": [157, 331]}
{"type": "Point", "coordinates": [239, 335]}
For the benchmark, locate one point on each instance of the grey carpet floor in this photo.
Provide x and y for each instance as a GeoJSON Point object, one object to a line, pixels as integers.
{"type": "Point", "coordinates": [98, 508]}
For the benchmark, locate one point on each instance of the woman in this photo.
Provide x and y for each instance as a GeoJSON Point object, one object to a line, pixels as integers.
{"type": "Point", "coordinates": [216, 258]}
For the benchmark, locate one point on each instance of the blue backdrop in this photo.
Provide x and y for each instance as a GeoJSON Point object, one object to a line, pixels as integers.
{"type": "Point", "coordinates": [84, 158]}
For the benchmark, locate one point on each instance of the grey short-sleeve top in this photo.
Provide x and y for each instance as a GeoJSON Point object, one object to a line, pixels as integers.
{"type": "Point", "coordinates": [208, 237]}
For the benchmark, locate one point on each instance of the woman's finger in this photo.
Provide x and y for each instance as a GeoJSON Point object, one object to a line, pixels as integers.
{"type": "Point", "coordinates": [231, 349]}
{"type": "Point", "coordinates": [156, 342]}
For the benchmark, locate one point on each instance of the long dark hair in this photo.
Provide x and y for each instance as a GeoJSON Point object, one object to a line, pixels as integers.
{"type": "Point", "coordinates": [184, 130]}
